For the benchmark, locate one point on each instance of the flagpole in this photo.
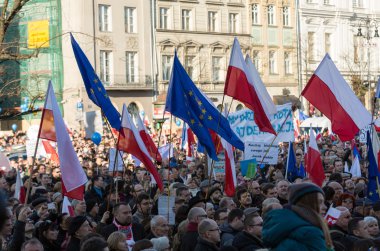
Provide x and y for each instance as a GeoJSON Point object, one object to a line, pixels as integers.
{"type": "Point", "coordinates": [35, 153]}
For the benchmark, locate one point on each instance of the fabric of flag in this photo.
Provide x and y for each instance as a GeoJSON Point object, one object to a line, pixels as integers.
{"type": "Point", "coordinates": [166, 151]}
{"type": "Point", "coordinates": [248, 168]}
{"type": "Point", "coordinates": [332, 216]}
{"type": "Point", "coordinates": [314, 162]}
{"type": "Point", "coordinates": [291, 166]}
{"type": "Point", "coordinates": [19, 188]}
{"type": "Point", "coordinates": [188, 140]}
{"type": "Point", "coordinates": [67, 207]}
{"type": "Point", "coordinates": [377, 93]}
{"type": "Point", "coordinates": [328, 92]}
{"type": "Point", "coordinates": [305, 154]}
{"type": "Point", "coordinates": [200, 148]}
{"type": "Point", "coordinates": [373, 167]}
{"type": "Point", "coordinates": [148, 141]}
{"type": "Point", "coordinates": [243, 83]}
{"type": "Point", "coordinates": [49, 149]}
{"type": "Point", "coordinates": [73, 176]}
{"type": "Point", "coordinates": [230, 182]}
{"type": "Point", "coordinates": [130, 141]}
{"type": "Point", "coordinates": [94, 87]}
{"type": "Point", "coordinates": [216, 140]}
{"type": "Point", "coordinates": [302, 171]}
{"type": "Point", "coordinates": [184, 100]}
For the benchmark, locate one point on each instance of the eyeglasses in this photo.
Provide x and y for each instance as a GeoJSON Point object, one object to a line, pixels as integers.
{"type": "Point", "coordinates": [211, 230]}
{"type": "Point", "coordinates": [298, 154]}
{"type": "Point", "coordinates": [256, 225]}
{"type": "Point", "coordinates": [202, 216]}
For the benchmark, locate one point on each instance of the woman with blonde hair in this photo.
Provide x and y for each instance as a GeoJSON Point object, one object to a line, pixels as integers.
{"type": "Point", "coordinates": [116, 242]}
{"type": "Point", "coordinates": [299, 224]}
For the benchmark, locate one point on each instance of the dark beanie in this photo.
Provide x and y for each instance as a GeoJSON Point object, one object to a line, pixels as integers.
{"type": "Point", "coordinates": [75, 224]}
{"type": "Point", "coordinates": [297, 191]}
{"type": "Point", "coordinates": [90, 204]}
{"type": "Point", "coordinates": [39, 201]}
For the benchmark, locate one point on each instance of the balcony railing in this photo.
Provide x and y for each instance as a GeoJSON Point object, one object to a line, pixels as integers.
{"type": "Point", "coordinates": [120, 82]}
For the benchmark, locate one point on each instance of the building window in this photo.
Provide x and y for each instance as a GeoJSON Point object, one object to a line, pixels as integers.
{"type": "Point", "coordinates": [212, 19]}
{"type": "Point", "coordinates": [287, 63]}
{"type": "Point", "coordinates": [233, 22]}
{"type": "Point", "coordinates": [271, 15]}
{"type": "Point", "coordinates": [130, 20]}
{"type": "Point", "coordinates": [327, 42]}
{"type": "Point", "coordinates": [256, 60]}
{"type": "Point", "coordinates": [310, 45]}
{"type": "Point", "coordinates": [272, 62]}
{"type": "Point", "coordinates": [105, 23]}
{"type": "Point", "coordinates": [286, 16]}
{"type": "Point", "coordinates": [189, 65]}
{"type": "Point", "coordinates": [105, 66]}
{"type": "Point", "coordinates": [166, 65]}
{"type": "Point", "coordinates": [216, 69]}
{"type": "Point", "coordinates": [357, 3]}
{"type": "Point", "coordinates": [164, 16]}
{"type": "Point", "coordinates": [186, 19]}
{"type": "Point", "coordinates": [326, 2]}
{"type": "Point", "coordinates": [255, 14]}
{"type": "Point", "coordinates": [131, 66]}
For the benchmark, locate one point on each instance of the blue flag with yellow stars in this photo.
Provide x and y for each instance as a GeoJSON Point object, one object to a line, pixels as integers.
{"type": "Point", "coordinates": [184, 100]}
{"type": "Point", "coordinates": [94, 87]}
{"type": "Point", "coordinates": [373, 172]}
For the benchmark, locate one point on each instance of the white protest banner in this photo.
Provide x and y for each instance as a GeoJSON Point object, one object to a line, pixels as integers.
{"type": "Point", "coordinates": [363, 134]}
{"type": "Point", "coordinates": [244, 126]}
{"type": "Point", "coordinates": [32, 135]}
{"type": "Point", "coordinates": [166, 208]}
{"type": "Point", "coordinates": [119, 161]}
{"type": "Point", "coordinates": [257, 150]}
{"type": "Point", "coordinates": [218, 165]}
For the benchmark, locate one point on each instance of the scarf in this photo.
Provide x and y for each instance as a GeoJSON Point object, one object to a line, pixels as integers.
{"type": "Point", "coordinates": [127, 230]}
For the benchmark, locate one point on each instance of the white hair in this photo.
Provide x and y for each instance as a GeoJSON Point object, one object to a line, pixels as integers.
{"type": "Point", "coordinates": [154, 221]}
{"type": "Point", "coordinates": [160, 243]}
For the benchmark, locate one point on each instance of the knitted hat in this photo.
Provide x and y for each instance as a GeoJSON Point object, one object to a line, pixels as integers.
{"type": "Point", "coordinates": [75, 224]}
{"type": "Point", "coordinates": [297, 191]}
{"type": "Point", "coordinates": [90, 204]}
{"type": "Point", "coordinates": [161, 243]}
{"type": "Point", "coordinates": [39, 201]}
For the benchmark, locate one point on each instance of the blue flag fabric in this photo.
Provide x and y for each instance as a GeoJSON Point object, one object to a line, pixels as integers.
{"type": "Point", "coordinates": [301, 171]}
{"type": "Point", "coordinates": [291, 167]}
{"type": "Point", "coordinates": [373, 172]}
{"type": "Point", "coordinates": [94, 87]}
{"type": "Point", "coordinates": [200, 148]}
{"type": "Point", "coordinates": [377, 94]}
{"type": "Point", "coordinates": [184, 100]}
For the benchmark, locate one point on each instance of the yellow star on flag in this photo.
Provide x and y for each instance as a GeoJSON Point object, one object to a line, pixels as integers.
{"type": "Point", "coordinates": [209, 117]}
{"type": "Point", "coordinates": [204, 111]}
{"type": "Point", "coordinates": [190, 93]}
{"type": "Point", "coordinates": [192, 121]}
{"type": "Point", "coordinates": [95, 80]}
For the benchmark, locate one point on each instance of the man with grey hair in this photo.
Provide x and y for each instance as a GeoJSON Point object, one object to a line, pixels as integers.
{"type": "Point", "coordinates": [209, 236]}
{"type": "Point", "coordinates": [32, 245]}
{"type": "Point", "coordinates": [339, 231]}
{"type": "Point", "coordinates": [159, 227]}
{"type": "Point", "coordinates": [227, 202]}
{"type": "Point", "coordinates": [189, 240]}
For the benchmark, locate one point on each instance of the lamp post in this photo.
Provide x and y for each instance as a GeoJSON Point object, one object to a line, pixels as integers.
{"type": "Point", "coordinates": [368, 29]}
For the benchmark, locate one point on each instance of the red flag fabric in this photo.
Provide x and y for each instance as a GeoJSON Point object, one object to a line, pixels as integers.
{"type": "Point", "coordinates": [19, 189]}
{"type": "Point", "coordinates": [53, 128]}
{"type": "Point", "coordinates": [216, 140]}
{"type": "Point", "coordinates": [190, 142]}
{"type": "Point", "coordinates": [328, 92]}
{"type": "Point", "coordinates": [314, 162]}
{"type": "Point", "coordinates": [230, 176]}
{"type": "Point", "coordinates": [244, 84]}
{"type": "Point", "coordinates": [130, 141]}
{"type": "Point", "coordinates": [148, 141]}
{"type": "Point", "coordinates": [67, 207]}
{"type": "Point", "coordinates": [50, 150]}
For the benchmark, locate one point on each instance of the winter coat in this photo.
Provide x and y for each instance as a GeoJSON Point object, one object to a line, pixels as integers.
{"type": "Point", "coordinates": [285, 230]}
{"type": "Point", "coordinates": [227, 235]}
{"type": "Point", "coordinates": [107, 230]}
{"type": "Point", "coordinates": [203, 245]}
{"type": "Point", "coordinates": [246, 242]}
{"type": "Point", "coordinates": [74, 244]}
{"type": "Point", "coordinates": [189, 239]}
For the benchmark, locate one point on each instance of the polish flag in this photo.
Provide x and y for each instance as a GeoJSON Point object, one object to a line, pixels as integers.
{"type": "Point", "coordinates": [150, 146]}
{"type": "Point", "coordinates": [67, 207]}
{"type": "Point", "coordinates": [332, 216]}
{"type": "Point", "coordinates": [188, 140]}
{"type": "Point", "coordinates": [244, 84]}
{"type": "Point", "coordinates": [377, 124]}
{"type": "Point", "coordinates": [130, 141]}
{"type": "Point", "coordinates": [19, 189]}
{"type": "Point", "coordinates": [53, 128]}
{"type": "Point", "coordinates": [230, 177]}
{"type": "Point", "coordinates": [314, 162]}
{"type": "Point", "coordinates": [216, 140]}
{"type": "Point", "coordinates": [328, 92]}
{"type": "Point", "coordinates": [49, 149]}
{"type": "Point", "coordinates": [319, 137]}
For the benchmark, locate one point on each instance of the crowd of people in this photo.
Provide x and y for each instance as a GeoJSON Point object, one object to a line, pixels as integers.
{"type": "Point", "coordinates": [120, 209]}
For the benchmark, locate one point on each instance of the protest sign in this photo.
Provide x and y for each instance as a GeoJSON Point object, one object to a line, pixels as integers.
{"type": "Point", "coordinates": [244, 126]}
{"type": "Point", "coordinates": [166, 208]}
{"type": "Point", "coordinates": [248, 168]}
{"type": "Point", "coordinates": [30, 143]}
{"type": "Point", "coordinates": [257, 150]}
{"type": "Point", "coordinates": [363, 134]}
{"type": "Point", "coordinates": [218, 165]}
{"type": "Point", "coordinates": [119, 161]}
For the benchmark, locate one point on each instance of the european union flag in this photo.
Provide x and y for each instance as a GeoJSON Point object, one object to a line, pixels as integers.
{"type": "Point", "coordinates": [94, 87]}
{"type": "Point", "coordinates": [184, 100]}
{"type": "Point", "coordinates": [291, 166]}
{"type": "Point", "coordinates": [373, 172]}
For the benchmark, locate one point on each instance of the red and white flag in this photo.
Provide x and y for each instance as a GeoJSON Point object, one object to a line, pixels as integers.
{"type": "Point", "coordinates": [328, 92]}
{"type": "Point", "coordinates": [53, 128]}
{"type": "Point", "coordinates": [19, 188]}
{"type": "Point", "coordinates": [130, 141]}
{"type": "Point", "coordinates": [148, 141]}
{"type": "Point", "coordinates": [188, 141]}
{"type": "Point", "coordinates": [314, 162]}
{"type": "Point", "coordinates": [49, 149]}
{"type": "Point", "coordinates": [67, 207]}
{"type": "Point", "coordinates": [305, 153]}
{"type": "Point", "coordinates": [244, 84]}
{"type": "Point", "coordinates": [332, 216]}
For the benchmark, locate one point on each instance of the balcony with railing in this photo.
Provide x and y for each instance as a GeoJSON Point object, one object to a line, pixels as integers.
{"type": "Point", "coordinates": [121, 82]}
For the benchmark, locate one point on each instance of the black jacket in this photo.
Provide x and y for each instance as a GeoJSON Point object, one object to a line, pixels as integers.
{"type": "Point", "coordinates": [74, 244]}
{"type": "Point", "coordinates": [203, 245]}
{"type": "Point", "coordinates": [246, 242]}
{"type": "Point", "coordinates": [106, 231]}
{"type": "Point", "coordinates": [340, 239]}
{"type": "Point", "coordinates": [189, 239]}
{"type": "Point", "coordinates": [18, 236]}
